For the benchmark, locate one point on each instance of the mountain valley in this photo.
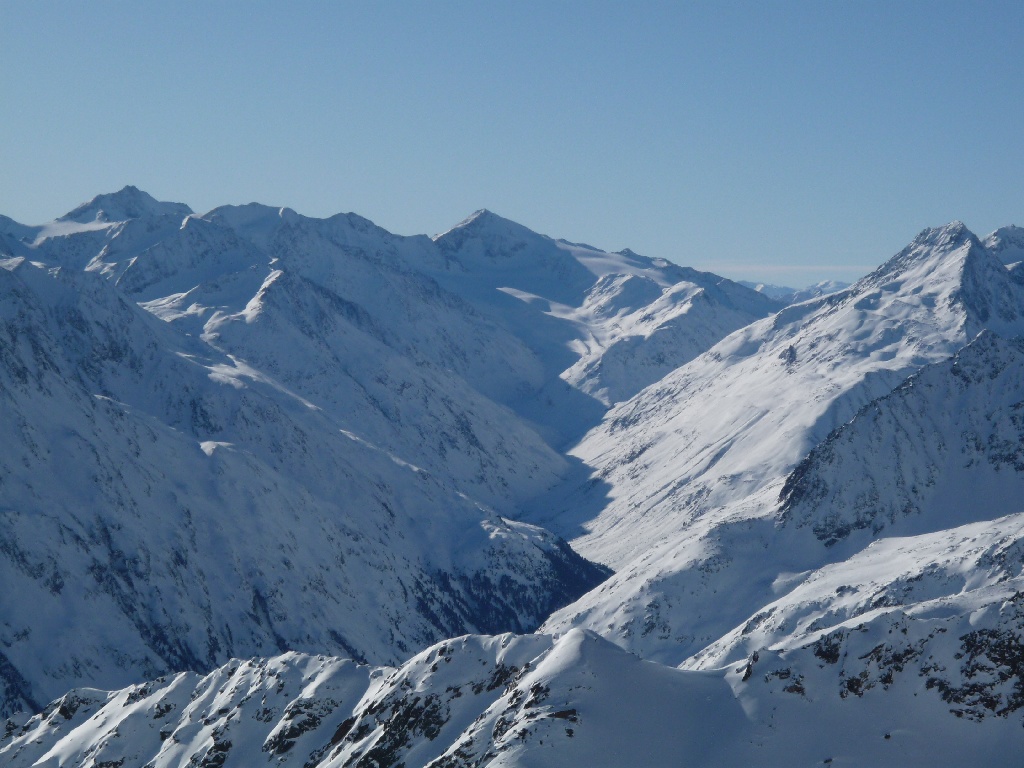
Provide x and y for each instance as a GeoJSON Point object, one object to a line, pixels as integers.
{"type": "Point", "coordinates": [303, 492]}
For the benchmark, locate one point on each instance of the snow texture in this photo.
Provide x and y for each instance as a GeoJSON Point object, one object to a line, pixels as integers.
{"type": "Point", "coordinates": [239, 439]}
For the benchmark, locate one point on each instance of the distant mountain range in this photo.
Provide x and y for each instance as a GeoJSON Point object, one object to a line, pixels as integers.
{"type": "Point", "coordinates": [788, 295]}
{"type": "Point", "coordinates": [247, 433]}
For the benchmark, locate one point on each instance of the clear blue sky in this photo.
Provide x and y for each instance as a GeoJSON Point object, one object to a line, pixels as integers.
{"type": "Point", "coordinates": [781, 141]}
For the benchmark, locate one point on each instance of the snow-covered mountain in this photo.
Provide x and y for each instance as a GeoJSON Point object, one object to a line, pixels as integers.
{"type": "Point", "coordinates": [538, 700]}
{"type": "Point", "coordinates": [609, 324]}
{"type": "Point", "coordinates": [1007, 244]}
{"type": "Point", "coordinates": [327, 423]}
{"type": "Point", "coordinates": [250, 432]}
{"type": "Point", "coordinates": [787, 295]}
{"type": "Point", "coordinates": [167, 506]}
{"type": "Point", "coordinates": [777, 292]}
{"type": "Point", "coordinates": [690, 471]}
{"type": "Point", "coordinates": [948, 442]}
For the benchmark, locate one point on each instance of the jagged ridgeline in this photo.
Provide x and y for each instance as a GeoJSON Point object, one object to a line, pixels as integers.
{"type": "Point", "coordinates": [273, 465]}
{"type": "Point", "coordinates": [538, 700]}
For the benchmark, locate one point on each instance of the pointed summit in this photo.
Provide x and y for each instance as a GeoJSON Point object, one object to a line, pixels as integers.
{"type": "Point", "coordinates": [127, 203]}
{"type": "Point", "coordinates": [934, 251]}
{"type": "Point", "coordinates": [484, 224]}
{"type": "Point", "coordinates": [951, 235]}
{"type": "Point", "coordinates": [948, 268]}
{"type": "Point", "coordinates": [479, 215]}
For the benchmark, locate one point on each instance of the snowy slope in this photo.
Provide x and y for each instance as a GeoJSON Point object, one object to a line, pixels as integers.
{"type": "Point", "coordinates": [692, 468]}
{"type": "Point", "coordinates": [248, 431]}
{"type": "Point", "coordinates": [1006, 244]}
{"type": "Point", "coordinates": [167, 506]}
{"type": "Point", "coordinates": [943, 449]}
{"type": "Point", "coordinates": [329, 308]}
{"type": "Point", "coordinates": [248, 712]}
{"type": "Point", "coordinates": [129, 203]}
{"type": "Point", "coordinates": [321, 384]}
{"type": "Point", "coordinates": [608, 324]}
{"type": "Point", "coordinates": [956, 581]}
{"type": "Point", "coordinates": [536, 701]}
{"type": "Point", "coordinates": [413, 342]}
{"type": "Point", "coordinates": [389, 354]}
{"type": "Point", "coordinates": [118, 223]}
{"type": "Point", "coordinates": [916, 505]}
{"type": "Point", "coordinates": [740, 417]}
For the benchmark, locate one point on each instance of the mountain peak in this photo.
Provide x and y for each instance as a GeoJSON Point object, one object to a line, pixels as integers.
{"type": "Point", "coordinates": [481, 213]}
{"type": "Point", "coordinates": [1006, 244]}
{"type": "Point", "coordinates": [953, 267]}
{"type": "Point", "coordinates": [127, 203]}
{"type": "Point", "coordinates": [477, 221]}
{"type": "Point", "coordinates": [948, 237]}
{"type": "Point", "coordinates": [490, 228]}
{"type": "Point", "coordinates": [931, 251]}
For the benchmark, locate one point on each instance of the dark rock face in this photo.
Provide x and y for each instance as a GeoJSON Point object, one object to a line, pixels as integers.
{"type": "Point", "coordinates": [989, 674]}
{"type": "Point", "coordinates": [896, 458]}
{"type": "Point", "coordinates": [977, 673]}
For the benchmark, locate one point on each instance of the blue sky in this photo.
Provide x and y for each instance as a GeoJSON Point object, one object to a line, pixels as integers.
{"type": "Point", "coordinates": [779, 141]}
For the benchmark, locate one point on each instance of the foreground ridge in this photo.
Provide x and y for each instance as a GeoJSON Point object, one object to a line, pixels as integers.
{"type": "Point", "coordinates": [540, 700]}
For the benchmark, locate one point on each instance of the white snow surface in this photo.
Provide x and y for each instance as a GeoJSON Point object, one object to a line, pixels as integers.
{"type": "Point", "coordinates": [330, 419]}
{"type": "Point", "coordinates": [249, 431]}
{"type": "Point", "coordinates": [1007, 244]}
{"type": "Point", "coordinates": [609, 324]}
{"type": "Point", "coordinates": [183, 487]}
{"type": "Point", "coordinates": [202, 510]}
{"type": "Point", "coordinates": [685, 502]}
{"type": "Point", "coordinates": [524, 701]}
